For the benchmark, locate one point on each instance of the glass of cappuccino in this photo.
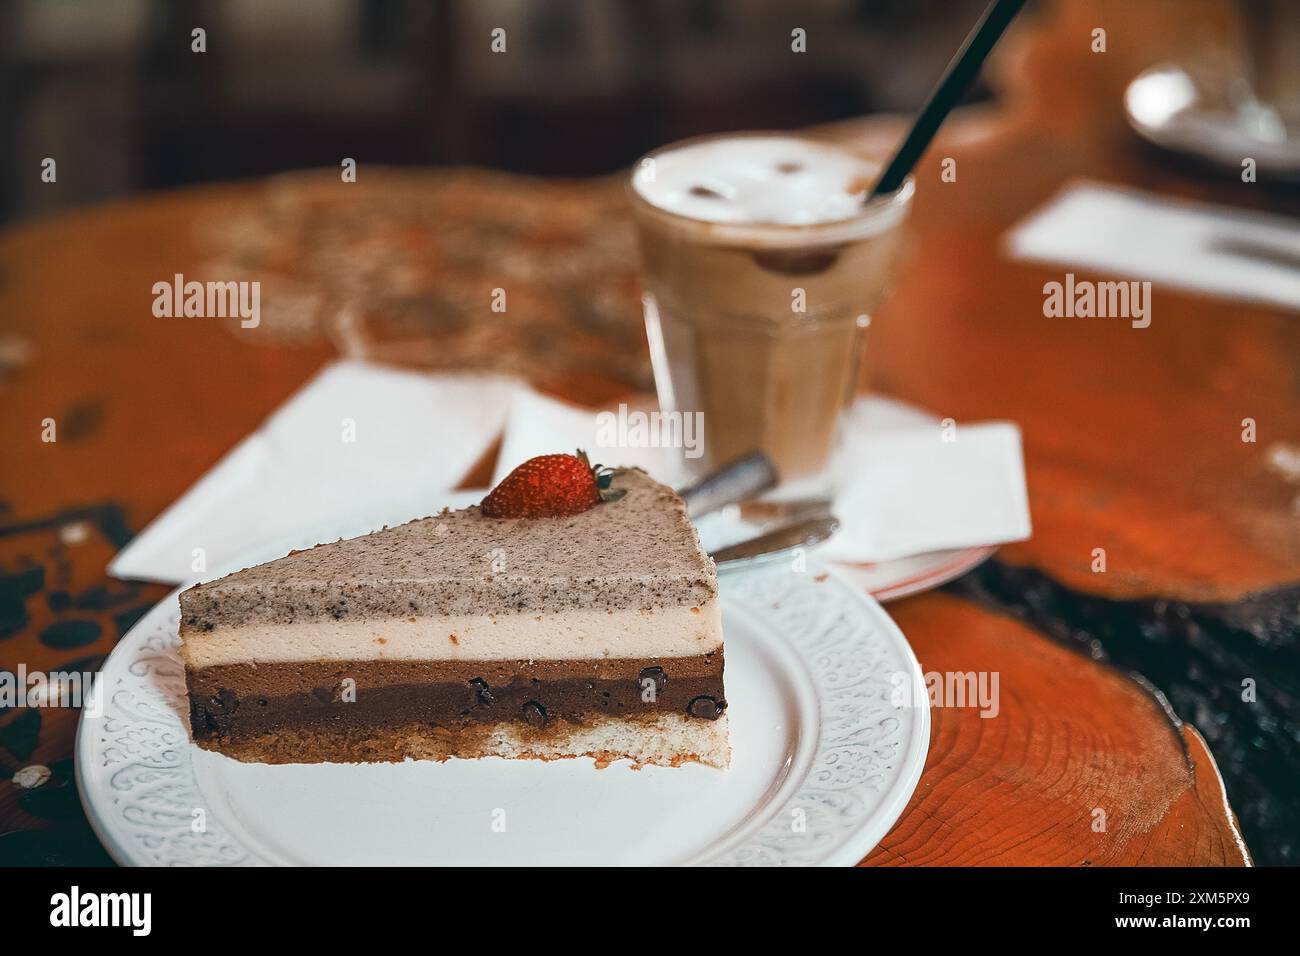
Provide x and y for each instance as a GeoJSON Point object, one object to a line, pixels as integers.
{"type": "Point", "coordinates": [763, 261]}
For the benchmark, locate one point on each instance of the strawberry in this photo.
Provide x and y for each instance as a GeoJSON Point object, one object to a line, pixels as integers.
{"type": "Point", "coordinates": [550, 486]}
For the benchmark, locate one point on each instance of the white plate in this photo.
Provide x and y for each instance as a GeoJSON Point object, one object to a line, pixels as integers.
{"type": "Point", "coordinates": [827, 749]}
{"type": "Point", "coordinates": [1209, 115]}
{"type": "Point", "coordinates": [885, 580]}
{"type": "Point", "coordinates": [891, 580]}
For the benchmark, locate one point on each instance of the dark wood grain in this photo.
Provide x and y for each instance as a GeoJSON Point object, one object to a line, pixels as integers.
{"type": "Point", "coordinates": [1079, 767]}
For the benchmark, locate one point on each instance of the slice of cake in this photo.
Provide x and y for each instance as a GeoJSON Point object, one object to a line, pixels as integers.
{"type": "Point", "coordinates": [590, 627]}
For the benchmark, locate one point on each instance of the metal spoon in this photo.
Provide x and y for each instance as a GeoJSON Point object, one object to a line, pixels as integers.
{"type": "Point", "coordinates": [736, 481]}
{"type": "Point", "coordinates": [774, 544]}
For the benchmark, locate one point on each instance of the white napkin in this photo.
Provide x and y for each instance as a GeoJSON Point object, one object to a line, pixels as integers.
{"type": "Point", "coordinates": [358, 447]}
{"type": "Point", "coordinates": [910, 486]}
{"type": "Point", "coordinates": [1186, 245]}
{"type": "Point", "coordinates": [361, 446]}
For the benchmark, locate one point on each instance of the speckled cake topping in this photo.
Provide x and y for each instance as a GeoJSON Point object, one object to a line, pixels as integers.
{"type": "Point", "coordinates": [638, 552]}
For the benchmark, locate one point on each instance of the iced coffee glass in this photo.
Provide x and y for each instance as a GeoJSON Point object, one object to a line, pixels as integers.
{"type": "Point", "coordinates": [762, 264]}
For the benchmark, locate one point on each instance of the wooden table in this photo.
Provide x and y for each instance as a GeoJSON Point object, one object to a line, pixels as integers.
{"type": "Point", "coordinates": [1132, 441]}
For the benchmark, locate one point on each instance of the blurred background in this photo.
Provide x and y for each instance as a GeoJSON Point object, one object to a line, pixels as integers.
{"type": "Point", "coordinates": [588, 85]}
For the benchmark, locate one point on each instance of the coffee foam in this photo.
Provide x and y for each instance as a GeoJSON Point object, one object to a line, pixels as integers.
{"type": "Point", "coordinates": [779, 180]}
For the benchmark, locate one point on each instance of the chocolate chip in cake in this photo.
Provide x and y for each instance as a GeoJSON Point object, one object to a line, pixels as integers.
{"type": "Point", "coordinates": [482, 690]}
{"type": "Point", "coordinates": [535, 714]}
{"type": "Point", "coordinates": [710, 708]}
{"type": "Point", "coordinates": [704, 192]}
{"type": "Point", "coordinates": [655, 674]}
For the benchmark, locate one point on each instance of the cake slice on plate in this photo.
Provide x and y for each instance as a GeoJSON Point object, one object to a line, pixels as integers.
{"type": "Point", "coordinates": [573, 613]}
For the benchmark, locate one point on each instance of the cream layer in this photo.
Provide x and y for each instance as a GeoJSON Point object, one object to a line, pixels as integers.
{"type": "Point", "coordinates": [581, 634]}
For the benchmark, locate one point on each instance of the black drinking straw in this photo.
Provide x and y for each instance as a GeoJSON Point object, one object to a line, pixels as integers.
{"type": "Point", "coordinates": [956, 79]}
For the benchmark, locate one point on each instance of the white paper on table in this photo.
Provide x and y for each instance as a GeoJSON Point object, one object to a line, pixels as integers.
{"type": "Point", "coordinates": [361, 446]}
{"type": "Point", "coordinates": [910, 489]}
{"type": "Point", "coordinates": [358, 447]}
{"type": "Point", "coordinates": [1187, 245]}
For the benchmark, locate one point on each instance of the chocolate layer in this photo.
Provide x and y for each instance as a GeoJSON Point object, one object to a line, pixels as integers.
{"type": "Point", "coordinates": [231, 701]}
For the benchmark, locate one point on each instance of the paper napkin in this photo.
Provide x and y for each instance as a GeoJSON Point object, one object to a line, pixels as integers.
{"type": "Point", "coordinates": [358, 447]}
{"type": "Point", "coordinates": [909, 484]}
{"type": "Point", "coordinates": [362, 446]}
{"type": "Point", "coordinates": [1216, 250]}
